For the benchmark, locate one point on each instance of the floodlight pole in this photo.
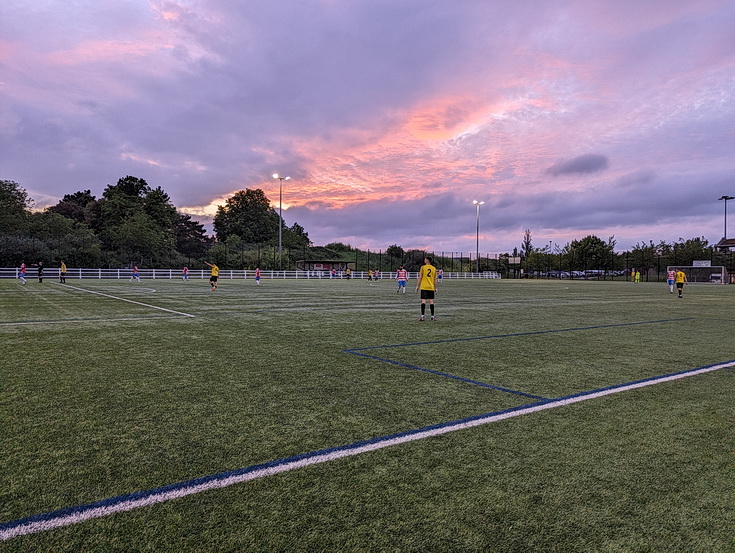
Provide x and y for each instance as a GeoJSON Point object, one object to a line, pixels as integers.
{"type": "Point", "coordinates": [726, 198]}
{"type": "Point", "coordinates": [280, 216]}
{"type": "Point", "coordinates": [477, 244]}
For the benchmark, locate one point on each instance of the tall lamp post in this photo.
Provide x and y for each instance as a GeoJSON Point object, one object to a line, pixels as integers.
{"type": "Point", "coordinates": [477, 252]}
{"type": "Point", "coordinates": [726, 198]}
{"type": "Point", "coordinates": [280, 215]}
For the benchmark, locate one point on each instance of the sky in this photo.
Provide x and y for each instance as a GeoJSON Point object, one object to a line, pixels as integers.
{"type": "Point", "coordinates": [566, 117]}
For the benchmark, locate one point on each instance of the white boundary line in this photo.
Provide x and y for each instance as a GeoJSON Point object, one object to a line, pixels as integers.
{"type": "Point", "coordinates": [75, 515]}
{"type": "Point", "coordinates": [130, 301]}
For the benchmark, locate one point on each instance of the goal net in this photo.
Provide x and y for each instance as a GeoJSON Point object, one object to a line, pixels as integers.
{"type": "Point", "coordinates": [709, 275]}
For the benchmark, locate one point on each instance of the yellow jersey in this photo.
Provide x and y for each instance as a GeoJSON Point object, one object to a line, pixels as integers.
{"type": "Point", "coordinates": [427, 277]}
{"type": "Point", "coordinates": [215, 270]}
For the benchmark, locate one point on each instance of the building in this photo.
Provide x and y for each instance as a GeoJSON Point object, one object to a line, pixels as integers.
{"type": "Point", "coordinates": [725, 245]}
{"type": "Point", "coordinates": [324, 265]}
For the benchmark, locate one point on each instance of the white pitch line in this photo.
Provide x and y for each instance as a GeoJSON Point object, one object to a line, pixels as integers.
{"type": "Point", "coordinates": [130, 502]}
{"type": "Point", "coordinates": [130, 301]}
{"type": "Point", "coordinates": [67, 321]}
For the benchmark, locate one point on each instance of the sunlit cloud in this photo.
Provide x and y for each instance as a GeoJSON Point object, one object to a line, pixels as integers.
{"type": "Point", "coordinates": [129, 156]}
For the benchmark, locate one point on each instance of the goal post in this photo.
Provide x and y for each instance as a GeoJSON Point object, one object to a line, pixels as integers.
{"type": "Point", "coordinates": [716, 274]}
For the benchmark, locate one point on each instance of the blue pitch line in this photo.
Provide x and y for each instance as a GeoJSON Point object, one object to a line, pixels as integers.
{"type": "Point", "coordinates": [447, 375]}
{"type": "Point", "coordinates": [353, 350]}
{"type": "Point", "coordinates": [112, 502]}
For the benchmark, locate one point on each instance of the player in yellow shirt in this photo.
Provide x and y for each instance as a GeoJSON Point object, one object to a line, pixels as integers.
{"type": "Point", "coordinates": [681, 279]}
{"type": "Point", "coordinates": [214, 277]}
{"type": "Point", "coordinates": [62, 273]}
{"type": "Point", "coordinates": [427, 285]}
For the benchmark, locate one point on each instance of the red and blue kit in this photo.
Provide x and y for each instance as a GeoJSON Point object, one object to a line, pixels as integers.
{"type": "Point", "coordinates": [402, 277]}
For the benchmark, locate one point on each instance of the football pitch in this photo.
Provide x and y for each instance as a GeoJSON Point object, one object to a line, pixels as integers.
{"type": "Point", "coordinates": [320, 415]}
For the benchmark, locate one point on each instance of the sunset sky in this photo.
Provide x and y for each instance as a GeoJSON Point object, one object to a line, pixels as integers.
{"type": "Point", "coordinates": [566, 117]}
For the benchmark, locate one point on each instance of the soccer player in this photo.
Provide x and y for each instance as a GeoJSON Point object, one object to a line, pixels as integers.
{"type": "Point", "coordinates": [22, 274]}
{"type": "Point", "coordinates": [440, 275]}
{"type": "Point", "coordinates": [427, 285]}
{"type": "Point", "coordinates": [40, 271]}
{"type": "Point", "coordinates": [136, 274]}
{"type": "Point", "coordinates": [257, 276]}
{"type": "Point", "coordinates": [681, 280]}
{"type": "Point", "coordinates": [185, 273]}
{"type": "Point", "coordinates": [402, 279]}
{"type": "Point", "coordinates": [215, 275]}
{"type": "Point", "coordinates": [670, 276]}
{"type": "Point", "coordinates": [62, 272]}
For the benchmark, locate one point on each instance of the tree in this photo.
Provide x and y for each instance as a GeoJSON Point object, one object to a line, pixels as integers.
{"type": "Point", "coordinates": [74, 206]}
{"type": "Point", "coordinates": [296, 237]}
{"type": "Point", "coordinates": [526, 248]}
{"type": "Point", "coordinates": [414, 259]}
{"type": "Point", "coordinates": [395, 251]}
{"type": "Point", "coordinates": [14, 206]}
{"type": "Point", "coordinates": [137, 239]}
{"type": "Point", "coordinates": [157, 205]}
{"type": "Point", "coordinates": [191, 238]}
{"type": "Point", "coordinates": [137, 222]}
{"type": "Point", "coordinates": [687, 251]}
{"type": "Point", "coordinates": [60, 237]}
{"type": "Point", "coordinates": [643, 256]}
{"type": "Point", "coordinates": [526, 245]}
{"type": "Point", "coordinates": [591, 253]}
{"type": "Point", "coordinates": [339, 247]}
{"type": "Point", "coordinates": [249, 215]}
{"type": "Point", "coordinates": [123, 200]}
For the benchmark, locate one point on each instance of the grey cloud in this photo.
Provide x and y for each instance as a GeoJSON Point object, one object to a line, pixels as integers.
{"type": "Point", "coordinates": [642, 177]}
{"type": "Point", "coordinates": [584, 164]}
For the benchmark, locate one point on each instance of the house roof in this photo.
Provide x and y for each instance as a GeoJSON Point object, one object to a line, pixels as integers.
{"type": "Point", "coordinates": [726, 243]}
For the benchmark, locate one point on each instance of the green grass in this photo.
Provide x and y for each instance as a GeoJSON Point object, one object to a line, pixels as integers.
{"type": "Point", "coordinates": [100, 397]}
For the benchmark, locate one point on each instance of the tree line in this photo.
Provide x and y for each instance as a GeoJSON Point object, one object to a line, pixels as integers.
{"type": "Point", "coordinates": [593, 253]}
{"type": "Point", "coordinates": [133, 223]}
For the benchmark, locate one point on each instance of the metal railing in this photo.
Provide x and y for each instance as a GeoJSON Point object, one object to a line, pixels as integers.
{"type": "Point", "coordinates": [76, 273]}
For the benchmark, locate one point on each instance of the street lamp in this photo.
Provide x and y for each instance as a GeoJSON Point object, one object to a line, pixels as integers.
{"type": "Point", "coordinates": [280, 214]}
{"type": "Point", "coordinates": [477, 253]}
{"type": "Point", "coordinates": [726, 198]}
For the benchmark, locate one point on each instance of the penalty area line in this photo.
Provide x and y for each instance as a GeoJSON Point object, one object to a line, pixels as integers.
{"type": "Point", "coordinates": [127, 300]}
{"type": "Point", "coordinates": [128, 502]}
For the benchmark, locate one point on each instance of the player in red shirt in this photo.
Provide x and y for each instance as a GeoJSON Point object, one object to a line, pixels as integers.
{"type": "Point", "coordinates": [402, 279]}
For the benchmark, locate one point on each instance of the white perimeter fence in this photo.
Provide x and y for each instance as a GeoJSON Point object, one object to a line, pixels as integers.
{"type": "Point", "coordinates": [169, 274]}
